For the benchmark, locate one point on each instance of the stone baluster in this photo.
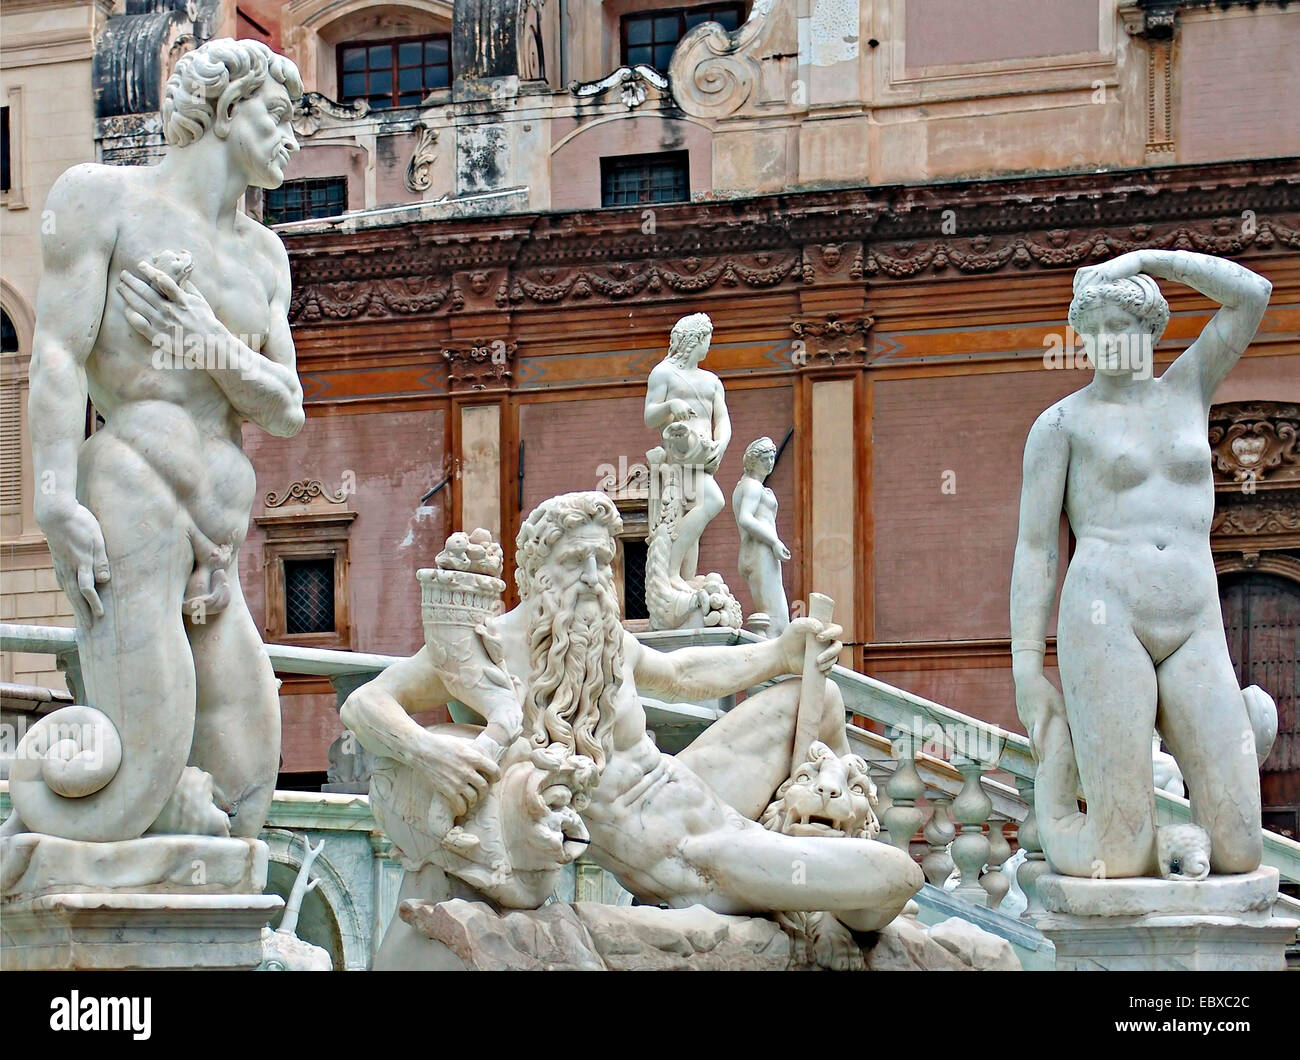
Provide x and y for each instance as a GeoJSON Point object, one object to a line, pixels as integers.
{"type": "Point", "coordinates": [970, 850]}
{"type": "Point", "coordinates": [903, 817]}
{"type": "Point", "coordinates": [939, 832]}
{"type": "Point", "coordinates": [995, 882]}
{"type": "Point", "coordinates": [1035, 863]}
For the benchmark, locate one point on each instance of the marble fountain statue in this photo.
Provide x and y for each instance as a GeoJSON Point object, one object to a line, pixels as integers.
{"type": "Point", "coordinates": [136, 811]}
{"type": "Point", "coordinates": [1140, 640]}
{"type": "Point", "coordinates": [133, 837]}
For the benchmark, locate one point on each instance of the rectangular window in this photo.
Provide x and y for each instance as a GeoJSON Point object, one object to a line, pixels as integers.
{"type": "Point", "coordinates": [4, 148]}
{"type": "Point", "coordinates": [301, 200]}
{"type": "Point", "coordinates": [636, 179]}
{"type": "Point", "coordinates": [634, 560]}
{"type": "Point", "coordinates": [309, 595]}
{"type": "Point", "coordinates": [394, 73]}
{"type": "Point", "coordinates": [649, 37]}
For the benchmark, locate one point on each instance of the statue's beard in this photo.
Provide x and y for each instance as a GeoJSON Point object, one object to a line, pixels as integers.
{"type": "Point", "coordinates": [576, 657]}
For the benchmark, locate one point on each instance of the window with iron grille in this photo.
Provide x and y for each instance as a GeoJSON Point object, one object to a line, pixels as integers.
{"type": "Point", "coordinates": [301, 200]}
{"type": "Point", "coordinates": [634, 560]}
{"type": "Point", "coordinates": [309, 595]}
{"type": "Point", "coordinates": [635, 179]}
{"type": "Point", "coordinates": [649, 37]}
{"type": "Point", "coordinates": [394, 73]}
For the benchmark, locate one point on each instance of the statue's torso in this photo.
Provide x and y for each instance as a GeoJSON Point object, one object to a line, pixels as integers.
{"type": "Point", "coordinates": [1140, 492]}
{"type": "Point", "coordinates": [175, 417]}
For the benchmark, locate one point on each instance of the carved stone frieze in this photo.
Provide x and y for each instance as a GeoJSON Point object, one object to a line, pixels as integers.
{"type": "Point", "coordinates": [1260, 513]}
{"type": "Point", "coordinates": [807, 238]}
{"type": "Point", "coordinates": [312, 303]}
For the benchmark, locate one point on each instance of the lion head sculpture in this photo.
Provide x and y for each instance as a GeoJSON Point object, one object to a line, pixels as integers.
{"type": "Point", "coordinates": [826, 796]}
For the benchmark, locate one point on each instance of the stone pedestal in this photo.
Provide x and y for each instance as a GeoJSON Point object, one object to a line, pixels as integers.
{"type": "Point", "coordinates": [1224, 923]}
{"type": "Point", "coordinates": [160, 902]}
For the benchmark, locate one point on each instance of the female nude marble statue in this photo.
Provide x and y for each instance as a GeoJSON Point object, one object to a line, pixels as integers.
{"type": "Point", "coordinates": [1140, 633]}
{"type": "Point", "coordinates": [146, 517]}
{"type": "Point", "coordinates": [761, 550]}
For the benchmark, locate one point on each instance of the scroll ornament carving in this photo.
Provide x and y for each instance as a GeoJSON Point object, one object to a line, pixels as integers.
{"type": "Point", "coordinates": [1256, 441]}
{"type": "Point", "coordinates": [314, 107]}
{"type": "Point", "coordinates": [304, 491]}
{"type": "Point", "coordinates": [713, 73]}
{"type": "Point", "coordinates": [632, 82]}
{"type": "Point", "coordinates": [418, 171]}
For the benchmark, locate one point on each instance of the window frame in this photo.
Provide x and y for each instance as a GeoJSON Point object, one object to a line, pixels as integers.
{"type": "Point", "coordinates": [630, 162]}
{"type": "Point", "coordinates": [298, 182]}
{"type": "Point", "coordinates": [663, 12]}
{"type": "Point", "coordinates": [392, 42]}
{"type": "Point", "coordinates": [300, 536]}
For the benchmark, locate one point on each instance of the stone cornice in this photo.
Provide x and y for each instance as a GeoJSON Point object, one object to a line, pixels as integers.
{"type": "Point", "coordinates": [898, 231]}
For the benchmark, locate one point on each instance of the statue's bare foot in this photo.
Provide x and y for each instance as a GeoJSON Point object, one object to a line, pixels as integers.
{"type": "Point", "coordinates": [834, 947]}
{"type": "Point", "coordinates": [194, 807]}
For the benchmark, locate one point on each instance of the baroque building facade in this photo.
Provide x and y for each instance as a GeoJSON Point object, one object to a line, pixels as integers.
{"type": "Point", "coordinates": [501, 206]}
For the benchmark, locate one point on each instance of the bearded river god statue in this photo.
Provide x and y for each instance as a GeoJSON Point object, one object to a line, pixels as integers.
{"type": "Point", "coordinates": [168, 307]}
{"type": "Point", "coordinates": [564, 764]}
{"type": "Point", "coordinates": [1141, 641]}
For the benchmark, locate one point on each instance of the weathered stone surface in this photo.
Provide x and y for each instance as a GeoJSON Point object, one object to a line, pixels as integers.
{"type": "Point", "coordinates": [971, 945]}
{"type": "Point", "coordinates": [591, 936]}
{"type": "Point", "coordinates": [548, 939]}
{"type": "Point", "coordinates": [905, 946]}
{"type": "Point", "coordinates": [643, 938]}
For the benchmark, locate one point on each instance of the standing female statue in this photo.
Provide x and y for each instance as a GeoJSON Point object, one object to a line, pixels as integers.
{"type": "Point", "coordinates": [761, 550]}
{"type": "Point", "coordinates": [1140, 633]}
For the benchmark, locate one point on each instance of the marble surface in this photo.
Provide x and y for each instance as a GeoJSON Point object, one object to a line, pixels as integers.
{"type": "Point", "coordinates": [123, 932]}
{"type": "Point", "coordinates": [561, 671]}
{"type": "Point", "coordinates": [687, 405]}
{"type": "Point", "coordinates": [170, 305]}
{"type": "Point", "coordinates": [1140, 640]}
{"type": "Point", "coordinates": [761, 549]}
{"type": "Point", "coordinates": [32, 865]}
{"type": "Point", "coordinates": [588, 936]}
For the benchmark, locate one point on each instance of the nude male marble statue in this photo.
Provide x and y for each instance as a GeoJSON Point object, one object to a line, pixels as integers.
{"type": "Point", "coordinates": [168, 307]}
{"type": "Point", "coordinates": [676, 830]}
{"type": "Point", "coordinates": [1140, 637]}
{"type": "Point", "coordinates": [688, 406]}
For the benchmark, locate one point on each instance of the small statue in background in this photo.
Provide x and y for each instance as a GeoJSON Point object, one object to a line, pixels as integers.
{"type": "Point", "coordinates": [761, 550]}
{"type": "Point", "coordinates": [687, 405]}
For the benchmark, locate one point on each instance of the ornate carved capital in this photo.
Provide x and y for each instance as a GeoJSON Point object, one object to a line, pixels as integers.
{"type": "Point", "coordinates": [482, 365]}
{"type": "Point", "coordinates": [835, 337]}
